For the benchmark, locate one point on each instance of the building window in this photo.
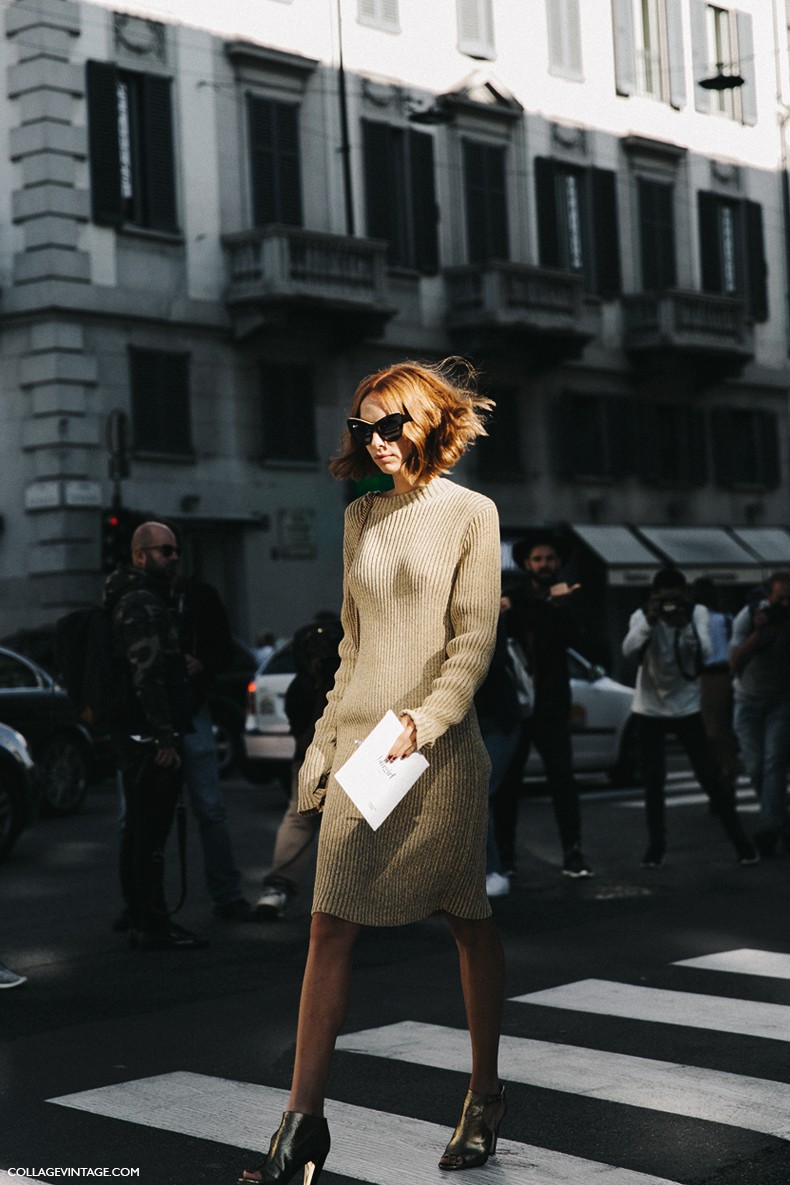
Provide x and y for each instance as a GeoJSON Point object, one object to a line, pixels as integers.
{"type": "Point", "coordinates": [476, 28]}
{"type": "Point", "coordinates": [648, 45]}
{"type": "Point", "coordinates": [498, 455]}
{"type": "Point", "coordinates": [381, 14]}
{"type": "Point", "coordinates": [577, 223]}
{"type": "Point", "coordinates": [722, 40]}
{"type": "Point", "coordinates": [672, 445]}
{"type": "Point", "coordinates": [132, 160]}
{"type": "Point", "coordinates": [746, 448]}
{"type": "Point", "coordinates": [732, 250]}
{"type": "Point", "coordinates": [656, 234]}
{"type": "Point", "coordinates": [161, 420]}
{"type": "Point", "coordinates": [275, 168]}
{"type": "Point", "coordinates": [593, 437]}
{"type": "Point", "coordinates": [564, 36]}
{"type": "Point", "coordinates": [287, 413]}
{"type": "Point", "coordinates": [400, 196]}
{"type": "Point", "coordinates": [485, 188]}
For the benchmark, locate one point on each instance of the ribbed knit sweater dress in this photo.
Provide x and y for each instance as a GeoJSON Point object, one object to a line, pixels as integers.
{"type": "Point", "coordinates": [420, 607]}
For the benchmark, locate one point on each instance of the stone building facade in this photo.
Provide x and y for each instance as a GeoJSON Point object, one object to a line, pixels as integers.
{"type": "Point", "coordinates": [214, 219]}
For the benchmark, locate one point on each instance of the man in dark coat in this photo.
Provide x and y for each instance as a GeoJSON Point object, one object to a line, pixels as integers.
{"type": "Point", "coordinates": [157, 713]}
{"type": "Point", "coordinates": [541, 620]}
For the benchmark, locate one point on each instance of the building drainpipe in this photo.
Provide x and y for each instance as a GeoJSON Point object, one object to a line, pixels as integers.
{"type": "Point", "coordinates": [345, 144]}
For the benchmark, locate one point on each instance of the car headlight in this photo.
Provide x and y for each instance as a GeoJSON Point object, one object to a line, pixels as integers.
{"type": "Point", "coordinates": [16, 743]}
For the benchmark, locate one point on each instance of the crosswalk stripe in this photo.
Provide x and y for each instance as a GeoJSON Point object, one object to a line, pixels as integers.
{"type": "Point", "coordinates": [771, 964]}
{"type": "Point", "coordinates": [745, 800]}
{"type": "Point", "coordinates": [7, 1179]}
{"type": "Point", "coordinates": [367, 1145]}
{"type": "Point", "coordinates": [732, 1099]}
{"type": "Point", "coordinates": [717, 1013]}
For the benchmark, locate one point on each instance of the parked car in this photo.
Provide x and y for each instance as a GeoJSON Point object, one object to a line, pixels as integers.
{"type": "Point", "coordinates": [602, 733]}
{"type": "Point", "coordinates": [268, 744]}
{"type": "Point", "coordinates": [227, 700]}
{"type": "Point", "coordinates": [227, 703]}
{"type": "Point", "coordinates": [35, 704]}
{"type": "Point", "coordinates": [17, 794]}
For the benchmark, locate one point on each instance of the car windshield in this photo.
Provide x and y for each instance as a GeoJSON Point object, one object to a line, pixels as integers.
{"type": "Point", "coordinates": [281, 662]}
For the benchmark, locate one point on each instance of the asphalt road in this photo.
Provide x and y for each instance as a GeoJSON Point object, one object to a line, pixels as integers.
{"type": "Point", "coordinates": [625, 1064]}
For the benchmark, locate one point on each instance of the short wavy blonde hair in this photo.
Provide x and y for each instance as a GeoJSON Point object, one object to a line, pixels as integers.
{"type": "Point", "coordinates": [447, 412]}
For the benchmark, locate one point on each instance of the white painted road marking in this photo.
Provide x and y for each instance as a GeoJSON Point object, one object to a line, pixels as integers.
{"type": "Point", "coordinates": [366, 1145]}
{"type": "Point", "coordinates": [732, 1099]}
{"type": "Point", "coordinates": [721, 1014]}
{"type": "Point", "coordinates": [745, 798]}
{"type": "Point", "coordinates": [771, 964]}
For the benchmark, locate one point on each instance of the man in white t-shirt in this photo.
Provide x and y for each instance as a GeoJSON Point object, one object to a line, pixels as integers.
{"type": "Point", "coordinates": [671, 637]}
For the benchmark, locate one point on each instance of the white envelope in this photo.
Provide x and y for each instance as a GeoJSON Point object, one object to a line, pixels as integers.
{"type": "Point", "coordinates": [376, 785]}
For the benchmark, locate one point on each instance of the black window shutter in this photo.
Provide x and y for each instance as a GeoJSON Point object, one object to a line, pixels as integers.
{"type": "Point", "coordinates": [159, 156]}
{"type": "Point", "coordinates": [621, 436]}
{"type": "Point", "coordinates": [771, 464]}
{"type": "Point", "coordinates": [105, 161]}
{"type": "Point", "coordinates": [383, 197]}
{"type": "Point", "coordinates": [710, 255]}
{"type": "Point", "coordinates": [486, 204]}
{"type": "Point", "coordinates": [547, 215]}
{"type": "Point", "coordinates": [423, 202]}
{"type": "Point", "coordinates": [161, 417]}
{"type": "Point", "coordinates": [288, 413]}
{"type": "Point", "coordinates": [274, 162]}
{"type": "Point", "coordinates": [565, 436]}
{"type": "Point", "coordinates": [289, 164]}
{"type": "Point", "coordinates": [605, 247]}
{"type": "Point", "coordinates": [756, 266]}
{"type": "Point", "coordinates": [656, 235]}
{"type": "Point", "coordinates": [697, 435]}
{"type": "Point", "coordinates": [725, 446]}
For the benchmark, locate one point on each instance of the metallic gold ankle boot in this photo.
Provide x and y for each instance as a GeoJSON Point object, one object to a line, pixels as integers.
{"type": "Point", "coordinates": [474, 1139]}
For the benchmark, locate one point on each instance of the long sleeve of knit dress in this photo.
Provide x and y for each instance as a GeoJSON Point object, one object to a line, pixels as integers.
{"type": "Point", "coordinates": [421, 599]}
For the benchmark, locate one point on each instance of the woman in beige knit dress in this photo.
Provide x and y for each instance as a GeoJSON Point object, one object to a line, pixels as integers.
{"type": "Point", "coordinates": [421, 598]}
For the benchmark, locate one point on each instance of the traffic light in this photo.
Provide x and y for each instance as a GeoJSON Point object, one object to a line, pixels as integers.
{"type": "Point", "coordinates": [117, 528]}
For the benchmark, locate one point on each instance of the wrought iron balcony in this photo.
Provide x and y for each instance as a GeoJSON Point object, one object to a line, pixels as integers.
{"type": "Point", "coordinates": [541, 308]}
{"type": "Point", "coordinates": [284, 275]}
{"type": "Point", "coordinates": [708, 332]}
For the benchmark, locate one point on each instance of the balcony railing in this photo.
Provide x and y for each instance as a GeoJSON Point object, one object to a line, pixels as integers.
{"type": "Point", "coordinates": [701, 324]}
{"type": "Point", "coordinates": [513, 298]}
{"type": "Point", "coordinates": [276, 266]}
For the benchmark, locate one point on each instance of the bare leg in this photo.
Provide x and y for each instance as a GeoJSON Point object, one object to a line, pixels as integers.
{"type": "Point", "coordinates": [482, 966]}
{"type": "Point", "coordinates": [322, 1009]}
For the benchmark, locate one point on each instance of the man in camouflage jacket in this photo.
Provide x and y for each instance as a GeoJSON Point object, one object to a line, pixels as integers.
{"type": "Point", "coordinates": [156, 715]}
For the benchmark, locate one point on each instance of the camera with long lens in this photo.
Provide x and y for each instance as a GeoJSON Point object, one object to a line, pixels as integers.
{"type": "Point", "coordinates": [671, 606]}
{"type": "Point", "coordinates": [774, 612]}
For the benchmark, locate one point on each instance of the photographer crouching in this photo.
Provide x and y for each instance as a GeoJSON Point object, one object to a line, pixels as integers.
{"type": "Point", "coordinates": [760, 661]}
{"type": "Point", "coordinates": [671, 637]}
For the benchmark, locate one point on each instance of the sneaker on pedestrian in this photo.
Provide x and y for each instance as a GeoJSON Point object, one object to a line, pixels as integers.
{"type": "Point", "coordinates": [9, 978]}
{"type": "Point", "coordinates": [497, 885]}
{"type": "Point", "coordinates": [170, 937]}
{"type": "Point", "coordinates": [574, 863]}
{"type": "Point", "coordinates": [654, 856]}
{"type": "Point", "coordinates": [748, 854]}
{"type": "Point", "coordinates": [767, 842]}
{"type": "Point", "coordinates": [271, 904]}
{"type": "Point", "coordinates": [238, 910]}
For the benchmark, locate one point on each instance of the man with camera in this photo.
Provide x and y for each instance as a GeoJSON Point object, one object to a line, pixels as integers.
{"type": "Point", "coordinates": [671, 639]}
{"type": "Point", "coordinates": [760, 662]}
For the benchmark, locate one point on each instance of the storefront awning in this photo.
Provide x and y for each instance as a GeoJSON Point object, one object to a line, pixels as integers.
{"type": "Point", "coordinates": [705, 551]}
{"type": "Point", "coordinates": [627, 559]}
{"type": "Point", "coordinates": [771, 545]}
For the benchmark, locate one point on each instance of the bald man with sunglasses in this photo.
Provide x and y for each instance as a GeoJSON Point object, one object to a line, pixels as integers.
{"type": "Point", "coordinates": [157, 713]}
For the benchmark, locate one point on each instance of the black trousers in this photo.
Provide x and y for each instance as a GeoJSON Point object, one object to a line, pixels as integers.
{"type": "Point", "coordinates": [150, 795]}
{"type": "Point", "coordinates": [549, 733]}
{"type": "Point", "coordinates": [690, 731]}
